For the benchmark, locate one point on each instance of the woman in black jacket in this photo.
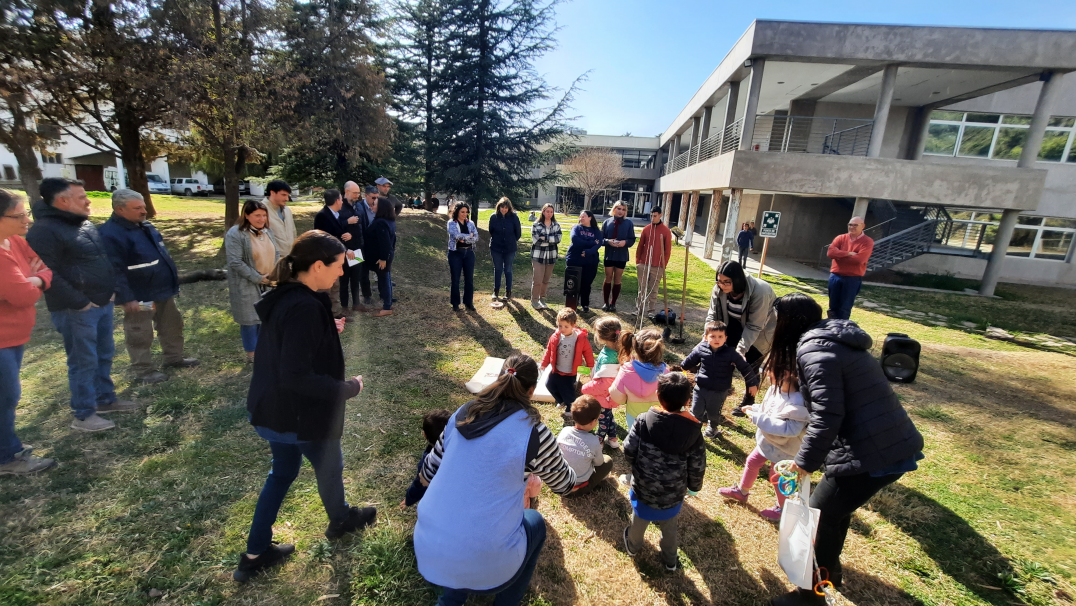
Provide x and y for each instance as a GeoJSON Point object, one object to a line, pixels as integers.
{"type": "Point", "coordinates": [857, 428]}
{"type": "Point", "coordinates": [297, 395]}
{"type": "Point", "coordinates": [380, 250]}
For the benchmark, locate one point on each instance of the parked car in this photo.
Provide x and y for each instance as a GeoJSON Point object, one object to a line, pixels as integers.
{"type": "Point", "coordinates": [244, 187]}
{"type": "Point", "coordinates": [157, 185]}
{"type": "Point", "coordinates": [189, 187]}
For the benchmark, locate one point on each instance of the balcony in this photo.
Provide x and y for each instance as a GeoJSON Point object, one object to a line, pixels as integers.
{"type": "Point", "coordinates": [786, 134]}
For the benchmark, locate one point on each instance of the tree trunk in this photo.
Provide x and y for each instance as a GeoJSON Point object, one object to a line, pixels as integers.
{"type": "Point", "coordinates": [231, 183]}
{"type": "Point", "coordinates": [131, 153]}
{"type": "Point", "coordinates": [427, 136]}
{"type": "Point", "coordinates": [21, 140]}
{"type": "Point", "coordinates": [586, 201]}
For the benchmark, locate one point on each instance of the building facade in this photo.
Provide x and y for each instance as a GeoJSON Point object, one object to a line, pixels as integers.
{"type": "Point", "coordinates": [955, 144]}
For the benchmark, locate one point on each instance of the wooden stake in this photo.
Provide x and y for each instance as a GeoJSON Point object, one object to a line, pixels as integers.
{"type": "Point", "coordinates": [762, 262]}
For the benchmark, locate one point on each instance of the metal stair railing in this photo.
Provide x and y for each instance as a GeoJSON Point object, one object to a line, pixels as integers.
{"type": "Point", "coordinates": [904, 245]}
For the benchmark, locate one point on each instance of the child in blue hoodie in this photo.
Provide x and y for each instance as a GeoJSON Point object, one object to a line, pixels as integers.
{"type": "Point", "coordinates": [712, 362]}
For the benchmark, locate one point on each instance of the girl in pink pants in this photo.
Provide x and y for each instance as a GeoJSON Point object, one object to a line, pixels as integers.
{"type": "Point", "coordinates": [782, 421]}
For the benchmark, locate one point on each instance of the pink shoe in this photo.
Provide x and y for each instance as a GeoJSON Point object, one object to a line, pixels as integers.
{"type": "Point", "coordinates": [733, 492]}
{"type": "Point", "coordinates": [772, 514]}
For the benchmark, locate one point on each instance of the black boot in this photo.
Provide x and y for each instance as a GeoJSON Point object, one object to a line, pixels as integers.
{"type": "Point", "coordinates": [248, 567]}
{"type": "Point", "coordinates": [357, 519]}
{"type": "Point", "coordinates": [799, 597]}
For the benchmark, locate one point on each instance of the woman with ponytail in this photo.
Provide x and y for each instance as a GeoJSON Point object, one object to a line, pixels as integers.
{"type": "Point", "coordinates": [857, 427]}
{"type": "Point", "coordinates": [251, 256]}
{"type": "Point", "coordinates": [297, 395]}
{"type": "Point", "coordinates": [473, 534]}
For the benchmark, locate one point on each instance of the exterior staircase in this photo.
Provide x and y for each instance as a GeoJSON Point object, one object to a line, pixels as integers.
{"type": "Point", "coordinates": [911, 232]}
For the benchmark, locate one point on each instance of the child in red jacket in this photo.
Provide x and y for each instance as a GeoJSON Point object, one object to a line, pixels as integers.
{"type": "Point", "coordinates": [568, 349]}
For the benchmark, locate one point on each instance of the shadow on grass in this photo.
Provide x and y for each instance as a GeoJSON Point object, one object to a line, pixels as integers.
{"type": "Point", "coordinates": [863, 588]}
{"type": "Point", "coordinates": [957, 548]}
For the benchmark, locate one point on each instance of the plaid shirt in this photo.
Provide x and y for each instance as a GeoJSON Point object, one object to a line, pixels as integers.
{"type": "Point", "coordinates": [544, 242]}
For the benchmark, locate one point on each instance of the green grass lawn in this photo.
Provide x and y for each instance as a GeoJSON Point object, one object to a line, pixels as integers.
{"type": "Point", "coordinates": [164, 501]}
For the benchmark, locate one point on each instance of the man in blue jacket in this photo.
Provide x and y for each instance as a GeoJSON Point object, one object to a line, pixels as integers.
{"type": "Point", "coordinates": [80, 299]}
{"type": "Point", "coordinates": [146, 287]}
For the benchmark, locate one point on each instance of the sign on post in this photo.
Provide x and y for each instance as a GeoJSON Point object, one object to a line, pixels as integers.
{"type": "Point", "coordinates": [770, 220]}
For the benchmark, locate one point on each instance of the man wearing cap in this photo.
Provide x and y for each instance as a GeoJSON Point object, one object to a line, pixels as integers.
{"type": "Point", "coordinates": [651, 258]}
{"type": "Point", "coordinates": [383, 186]}
{"type": "Point", "coordinates": [146, 286]}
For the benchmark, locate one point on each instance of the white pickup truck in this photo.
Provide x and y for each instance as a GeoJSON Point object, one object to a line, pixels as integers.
{"type": "Point", "coordinates": [189, 187]}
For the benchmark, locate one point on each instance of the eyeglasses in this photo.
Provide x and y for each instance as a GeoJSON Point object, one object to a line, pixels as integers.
{"type": "Point", "coordinates": [725, 282]}
{"type": "Point", "coordinates": [18, 217]}
{"type": "Point", "coordinates": [855, 225]}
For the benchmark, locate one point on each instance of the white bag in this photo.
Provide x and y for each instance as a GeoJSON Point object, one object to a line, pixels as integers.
{"type": "Point", "coordinates": [795, 549]}
{"type": "Point", "coordinates": [491, 369]}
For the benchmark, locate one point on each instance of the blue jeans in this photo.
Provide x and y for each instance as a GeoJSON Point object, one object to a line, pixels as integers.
{"type": "Point", "coordinates": [511, 593]}
{"type": "Point", "coordinates": [561, 387]}
{"type": "Point", "coordinates": [743, 255]}
{"type": "Point", "coordinates": [10, 392]}
{"type": "Point", "coordinates": [384, 285]}
{"type": "Point", "coordinates": [88, 342]}
{"type": "Point", "coordinates": [462, 261]}
{"type": "Point", "coordinates": [328, 462]}
{"type": "Point", "coordinates": [842, 295]}
{"type": "Point", "coordinates": [249, 334]}
{"type": "Point", "coordinates": [502, 263]}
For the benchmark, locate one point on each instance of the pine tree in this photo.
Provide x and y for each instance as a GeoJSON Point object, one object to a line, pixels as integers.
{"type": "Point", "coordinates": [491, 127]}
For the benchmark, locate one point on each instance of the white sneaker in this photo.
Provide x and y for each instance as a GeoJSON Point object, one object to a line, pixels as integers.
{"type": "Point", "coordinates": [541, 301]}
{"type": "Point", "coordinates": [613, 443]}
{"type": "Point", "coordinates": [625, 480]}
{"type": "Point", "coordinates": [92, 423]}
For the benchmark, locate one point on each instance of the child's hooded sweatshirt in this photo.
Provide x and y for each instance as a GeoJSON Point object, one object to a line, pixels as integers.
{"type": "Point", "coordinates": [636, 387]}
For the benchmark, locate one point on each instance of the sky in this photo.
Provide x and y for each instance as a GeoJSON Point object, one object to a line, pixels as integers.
{"type": "Point", "coordinates": [643, 59]}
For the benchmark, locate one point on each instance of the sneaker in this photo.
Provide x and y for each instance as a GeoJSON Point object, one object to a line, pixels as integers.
{"type": "Point", "coordinates": [470, 308]}
{"type": "Point", "coordinates": [507, 296]}
{"type": "Point", "coordinates": [733, 492]}
{"type": "Point", "coordinates": [711, 433]}
{"type": "Point", "coordinates": [535, 303]}
{"type": "Point", "coordinates": [118, 406]}
{"type": "Point", "coordinates": [673, 567]}
{"type": "Point", "coordinates": [605, 307]}
{"type": "Point", "coordinates": [153, 378]}
{"type": "Point", "coordinates": [772, 514]}
{"type": "Point", "coordinates": [737, 412]}
{"type": "Point", "coordinates": [625, 480]}
{"type": "Point", "coordinates": [626, 547]}
{"type": "Point", "coordinates": [541, 301]}
{"type": "Point", "coordinates": [24, 464]}
{"type": "Point", "coordinates": [455, 308]}
{"type": "Point", "coordinates": [356, 520]}
{"type": "Point", "coordinates": [92, 423]}
{"type": "Point", "coordinates": [249, 567]}
{"type": "Point", "coordinates": [496, 296]}
{"type": "Point", "coordinates": [585, 309]}
{"type": "Point", "coordinates": [612, 308]}
{"type": "Point", "coordinates": [184, 363]}
{"type": "Point", "coordinates": [613, 443]}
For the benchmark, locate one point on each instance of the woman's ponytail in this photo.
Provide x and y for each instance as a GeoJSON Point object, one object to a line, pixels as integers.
{"type": "Point", "coordinates": [311, 247]}
{"type": "Point", "coordinates": [519, 375]}
{"type": "Point", "coordinates": [281, 271]}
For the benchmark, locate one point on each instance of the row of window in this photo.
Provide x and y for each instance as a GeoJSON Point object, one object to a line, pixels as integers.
{"type": "Point", "coordinates": [636, 158]}
{"type": "Point", "coordinates": [51, 158]}
{"type": "Point", "coordinates": [997, 136]}
{"type": "Point", "coordinates": [1034, 237]}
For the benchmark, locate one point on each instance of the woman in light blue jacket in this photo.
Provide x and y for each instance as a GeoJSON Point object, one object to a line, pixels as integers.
{"type": "Point", "coordinates": [462, 236]}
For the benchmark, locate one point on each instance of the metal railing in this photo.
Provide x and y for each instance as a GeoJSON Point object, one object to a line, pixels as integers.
{"type": "Point", "coordinates": [937, 229]}
{"type": "Point", "coordinates": [812, 135]}
{"type": "Point", "coordinates": [787, 134]}
{"type": "Point", "coordinates": [720, 143]}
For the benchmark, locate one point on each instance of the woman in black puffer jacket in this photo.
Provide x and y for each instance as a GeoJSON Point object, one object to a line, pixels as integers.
{"type": "Point", "coordinates": [857, 429]}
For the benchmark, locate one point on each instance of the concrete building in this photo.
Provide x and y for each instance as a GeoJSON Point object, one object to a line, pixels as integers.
{"type": "Point", "coordinates": [639, 160]}
{"type": "Point", "coordinates": [956, 144]}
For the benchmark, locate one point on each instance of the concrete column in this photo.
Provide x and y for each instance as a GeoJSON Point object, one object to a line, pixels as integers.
{"type": "Point", "coordinates": [675, 147]}
{"type": "Point", "coordinates": [666, 208]}
{"type": "Point", "coordinates": [922, 129]}
{"type": "Point", "coordinates": [881, 110]}
{"type": "Point", "coordinates": [696, 124]}
{"type": "Point", "coordinates": [730, 107]}
{"type": "Point", "coordinates": [1051, 87]}
{"type": "Point", "coordinates": [707, 117]}
{"type": "Point", "coordinates": [657, 161]}
{"type": "Point", "coordinates": [860, 208]}
{"type": "Point", "coordinates": [693, 209]}
{"type": "Point", "coordinates": [751, 108]}
{"type": "Point", "coordinates": [711, 225]}
{"type": "Point", "coordinates": [682, 220]}
{"type": "Point", "coordinates": [997, 256]}
{"type": "Point", "coordinates": [728, 241]}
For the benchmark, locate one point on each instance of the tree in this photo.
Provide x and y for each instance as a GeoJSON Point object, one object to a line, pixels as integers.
{"type": "Point", "coordinates": [340, 116]}
{"type": "Point", "coordinates": [491, 131]}
{"type": "Point", "coordinates": [110, 80]}
{"type": "Point", "coordinates": [592, 171]}
{"type": "Point", "coordinates": [235, 83]}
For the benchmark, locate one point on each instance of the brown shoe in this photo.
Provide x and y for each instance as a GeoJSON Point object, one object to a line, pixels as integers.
{"type": "Point", "coordinates": [359, 308]}
{"type": "Point", "coordinates": [118, 406]}
{"type": "Point", "coordinates": [383, 312]}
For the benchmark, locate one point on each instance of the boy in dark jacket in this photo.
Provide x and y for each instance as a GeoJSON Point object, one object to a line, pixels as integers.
{"type": "Point", "coordinates": [668, 460]}
{"type": "Point", "coordinates": [433, 425]}
{"type": "Point", "coordinates": [712, 362]}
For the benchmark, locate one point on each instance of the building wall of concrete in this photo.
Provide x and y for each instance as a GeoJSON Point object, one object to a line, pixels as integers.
{"type": "Point", "coordinates": [807, 224]}
{"type": "Point", "coordinates": [1021, 100]}
{"type": "Point", "coordinates": [1058, 197]}
{"type": "Point", "coordinates": [1018, 270]}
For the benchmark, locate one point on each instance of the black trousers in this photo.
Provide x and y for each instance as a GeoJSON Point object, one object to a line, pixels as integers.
{"type": "Point", "coordinates": [362, 274]}
{"type": "Point", "coordinates": [837, 498]}
{"type": "Point", "coordinates": [349, 285]}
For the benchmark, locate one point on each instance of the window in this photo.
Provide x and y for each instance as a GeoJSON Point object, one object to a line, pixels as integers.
{"type": "Point", "coordinates": [9, 173]}
{"type": "Point", "coordinates": [997, 136]}
{"type": "Point", "coordinates": [1034, 237]}
{"type": "Point", "coordinates": [636, 158]}
{"type": "Point", "coordinates": [48, 157]}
